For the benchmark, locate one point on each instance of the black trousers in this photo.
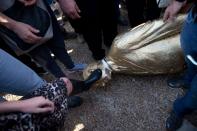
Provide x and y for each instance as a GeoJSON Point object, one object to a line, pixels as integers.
{"type": "Point", "coordinates": [140, 11]}
{"type": "Point", "coordinates": [98, 23]}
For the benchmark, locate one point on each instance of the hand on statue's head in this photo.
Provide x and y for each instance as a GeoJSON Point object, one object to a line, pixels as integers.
{"type": "Point", "coordinates": [28, 2]}
{"type": "Point", "coordinates": [172, 10]}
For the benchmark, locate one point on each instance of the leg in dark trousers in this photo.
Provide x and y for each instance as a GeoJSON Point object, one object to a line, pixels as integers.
{"type": "Point", "coordinates": [43, 56]}
{"type": "Point", "coordinates": [135, 12]}
{"type": "Point", "coordinates": [58, 48]}
{"type": "Point", "coordinates": [153, 11]}
{"type": "Point", "coordinates": [89, 26]}
{"type": "Point", "coordinates": [93, 37]}
{"type": "Point", "coordinates": [96, 20]}
{"type": "Point", "coordinates": [141, 11]}
{"type": "Point", "coordinates": [109, 20]}
{"type": "Point", "coordinates": [57, 45]}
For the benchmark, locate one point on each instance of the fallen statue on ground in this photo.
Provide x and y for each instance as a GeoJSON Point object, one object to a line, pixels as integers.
{"type": "Point", "coordinates": [150, 48]}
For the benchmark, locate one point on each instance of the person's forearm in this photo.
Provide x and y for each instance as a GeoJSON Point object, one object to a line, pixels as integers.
{"type": "Point", "coordinates": [12, 106]}
{"type": "Point", "coordinates": [6, 21]}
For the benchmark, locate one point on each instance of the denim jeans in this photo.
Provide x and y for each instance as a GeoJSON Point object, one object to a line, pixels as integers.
{"type": "Point", "coordinates": [188, 103]}
{"type": "Point", "coordinates": [15, 77]}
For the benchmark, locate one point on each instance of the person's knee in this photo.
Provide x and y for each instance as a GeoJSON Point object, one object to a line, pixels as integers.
{"type": "Point", "coordinates": [68, 84]}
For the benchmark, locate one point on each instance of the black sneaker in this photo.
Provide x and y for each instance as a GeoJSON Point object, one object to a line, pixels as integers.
{"type": "Point", "coordinates": [173, 122]}
{"type": "Point", "coordinates": [74, 101]}
{"type": "Point", "coordinates": [94, 76]}
{"type": "Point", "coordinates": [81, 86]}
{"type": "Point", "coordinates": [177, 82]}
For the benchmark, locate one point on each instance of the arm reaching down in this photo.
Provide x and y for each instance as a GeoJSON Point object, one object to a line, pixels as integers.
{"type": "Point", "coordinates": [173, 9]}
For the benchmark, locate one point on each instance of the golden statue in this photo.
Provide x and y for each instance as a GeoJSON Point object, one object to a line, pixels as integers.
{"type": "Point", "coordinates": [150, 48]}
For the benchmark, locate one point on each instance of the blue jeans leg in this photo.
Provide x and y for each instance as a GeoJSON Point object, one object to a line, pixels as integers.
{"type": "Point", "coordinates": [188, 44]}
{"type": "Point", "coordinates": [188, 103]}
{"type": "Point", "coordinates": [16, 78]}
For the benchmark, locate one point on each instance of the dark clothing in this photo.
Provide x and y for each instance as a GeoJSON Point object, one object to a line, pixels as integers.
{"type": "Point", "coordinates": [194, 12]}
{"type": "Point", "coordinates": [98, 22]}
{"type": "Point", "coordinates": [36, 16]}
{"type": "Point", "coordinates": [194, 9]}
{"type": "Point", "coordinates": [42, 53]}
{"type": "Point", "coordinates": [180, 0]}
{"type": "Point", "coordinates": [141, 11]}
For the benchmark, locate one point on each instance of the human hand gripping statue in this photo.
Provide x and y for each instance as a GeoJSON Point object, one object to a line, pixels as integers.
{"type": "Point", "coordinates": [172, 10]}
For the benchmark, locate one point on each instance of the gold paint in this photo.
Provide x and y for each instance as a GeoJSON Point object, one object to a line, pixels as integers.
{"type": "Point", "coordinates": [150, 48]}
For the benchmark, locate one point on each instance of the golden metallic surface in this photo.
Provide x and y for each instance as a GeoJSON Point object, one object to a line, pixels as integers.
{"type": "Point", "coordinates": [150, 48]}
